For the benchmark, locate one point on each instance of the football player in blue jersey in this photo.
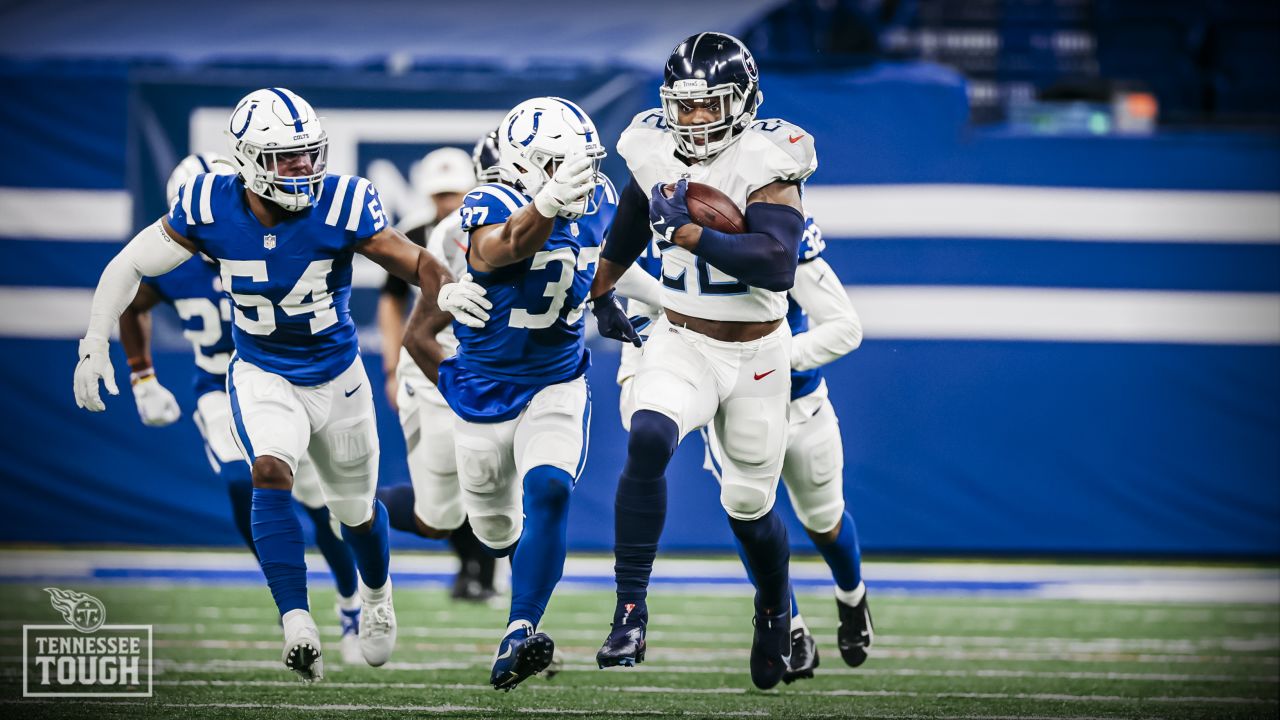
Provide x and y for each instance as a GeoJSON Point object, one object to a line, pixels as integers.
{"type": "Point", "coordinates": [517, 383]}
{"type": "Point", "coordinates": [825, 327]}
{"type": "Point", "coordinates": [284, 233]}
{"type": "Point", "coordinates": [194, 290]}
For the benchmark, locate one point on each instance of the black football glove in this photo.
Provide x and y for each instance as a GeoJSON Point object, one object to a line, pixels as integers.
{"type": "Point", "coordinates": [613, 323]}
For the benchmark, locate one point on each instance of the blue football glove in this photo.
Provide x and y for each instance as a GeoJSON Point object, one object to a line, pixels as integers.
{"type": "Point", "coordinates": [668, 214]}
{"type": "Point", "coordinates": [613, 323]}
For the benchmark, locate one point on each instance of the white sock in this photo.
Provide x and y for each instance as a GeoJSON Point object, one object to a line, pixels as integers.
{"type": "Point", "coordinates": [851, 597]}
{"type": "Point", "coordinates": [515, 624]}
{"type": "Point", "coordinates": [798, 622]}
{"type": "Point", "coordinates": [349, 603]}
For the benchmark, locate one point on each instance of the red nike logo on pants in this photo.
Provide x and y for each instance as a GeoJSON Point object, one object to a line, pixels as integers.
{"type": "Point", "coordinates": [761, 376]}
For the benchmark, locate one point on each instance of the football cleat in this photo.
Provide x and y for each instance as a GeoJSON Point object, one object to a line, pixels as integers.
{"type": "Point", "coordinates": [856, 632]}
{"type": "Point", "coordinates": [625, 645]}
{"type": "Point", "coordinates": [302, 645]}
{"type": "Point", "coordinates": [804, 656]}
{"type": "Point", "coordinates": [770, 647]}
{"type": "Point", "coordinates": [349, 620]}
{"type": "Point", "coordinates": [377, 628]}
{"type": "Point", "coordinates": [522, 654]}
{"type": "Point", "coordinates": [469, 583]}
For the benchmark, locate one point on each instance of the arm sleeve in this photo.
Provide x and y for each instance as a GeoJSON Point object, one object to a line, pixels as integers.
{"type": "Point", "coordinates": [766, 256]}
{"type": "Point", "coordinates": [630, 233]}
{"type": "Point", "coordinates": [636, 284]}
{"type": "Point", "coordinates": [835, 329]}
{"type": "Point", "coordinates": [150, 252]}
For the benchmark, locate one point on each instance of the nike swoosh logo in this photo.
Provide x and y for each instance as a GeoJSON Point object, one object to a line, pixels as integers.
{"type": "Point", "coordinates": [795, 139]}
{"type": "Point", "coordinates": [659, 221]}
{"type": "Point", "coordinates": [353, 390]}
{"type": "Point", "coordinates": [506, 654]}
{"type": "Point", "coordinates": [763, 375]}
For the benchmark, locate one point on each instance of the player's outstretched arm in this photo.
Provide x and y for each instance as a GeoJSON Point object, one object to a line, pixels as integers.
{"type": "Point", "coordinates": [401, 257]}
{"type": "Point", "coordinates": [155, 250]}
{"type": "Point", "coordinates": [420, 338]}
{"type": "Point", "coordinates": [835, 329]}
{"type": "Point", "coordinates": [156, 405]}
{"type": "Point", "coordinates": [764, 256]}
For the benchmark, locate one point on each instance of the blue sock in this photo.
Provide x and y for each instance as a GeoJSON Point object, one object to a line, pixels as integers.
{"type": "Point", "coordinates": [278, 536]}
{"type": "Point", "coordinates": [372, 548]}
{"type": "Point", "coordinates": [764, 543]}
{"type": "Point", "coordinates": [536, 567]}
{"type": "Point", "coordinates": [843, 556]}
{"type": "Point", "coordinates": [342, 563]}
{"type": "Point", "coordinates": [399, 502]}
{"type": "Point", "coordinates": [795, 606]}
{"type": "Point", "coordinates": [239, 480]}
{"type": "Point", "coordinates": [640, 504]}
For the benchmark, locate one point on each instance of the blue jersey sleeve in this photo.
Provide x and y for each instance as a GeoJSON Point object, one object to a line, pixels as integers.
{"type": "Point", "coordinates": [811, 244]}
{"type": "Point", "coordinates": [372, 218]}
{"type": "Point", "coordinates": [490, 204]}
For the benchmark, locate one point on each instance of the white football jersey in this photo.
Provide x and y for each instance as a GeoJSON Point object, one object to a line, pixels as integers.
{"type": "Point", "coordinates": [769, 150]}
{"type": "Point", "coordinates": [448, 243]}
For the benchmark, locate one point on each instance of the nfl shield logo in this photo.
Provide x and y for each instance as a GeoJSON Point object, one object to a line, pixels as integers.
{"type": "Point", "coordinates": [269, 242]}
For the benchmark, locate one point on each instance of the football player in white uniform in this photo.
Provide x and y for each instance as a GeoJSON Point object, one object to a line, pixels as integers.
{"type": "Point", "coordinates": [431, 504]}
{"type": "Point", "coordinates": [194, 289]}
{"type": "Point", "coordinates": [721, 354]}
{"type": "Point", "coordinates": [824, 328]}
{"type": "Point", "coordinates": [284, 233]}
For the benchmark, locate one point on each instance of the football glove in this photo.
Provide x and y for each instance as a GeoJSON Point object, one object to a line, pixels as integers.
{"type": "Point", "coordinates": [156, 405]}
{"type": "Point", "coordinates": [465, 301]}
{"type": "Point", "coordinates": [613, 323]}
{"type": "Point", "coordinates": [573, 180]}
{"type": "Point", "coordinates": [668, 214]}
{"type": "Point", "coordinates": [94, 365]}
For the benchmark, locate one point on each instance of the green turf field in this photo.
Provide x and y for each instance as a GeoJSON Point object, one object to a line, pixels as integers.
{"type": "Point", "coordinates": [217, 655]}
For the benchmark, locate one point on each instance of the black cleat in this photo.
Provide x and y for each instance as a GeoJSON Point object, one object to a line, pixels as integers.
{"type": "Point", "coordinates": [522, 654]}
{"type": "Point", "coordinates": [856, 632]}
{"type": "Point", "coordinates": [804, 656]}
{"type": "Point", "coordinates": [624, 647]}
{"type": "Point", "coordinates": [469, 585]}
{"type": "Point", "coordinates": [770, 647]}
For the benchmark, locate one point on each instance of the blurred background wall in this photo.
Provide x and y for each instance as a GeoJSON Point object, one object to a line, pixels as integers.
{"type": "Point", "coordinates": [1059, 220]}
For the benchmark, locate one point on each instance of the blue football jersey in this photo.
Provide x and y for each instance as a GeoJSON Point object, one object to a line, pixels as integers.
{"type": "Point", "coordinates": [804, 382]}
{"type": "Point", "coordinates": [290, 283]}
{"type": "Point", "coordinates": [534, 336]}
{"type": "Point", "coordinates": [195, 292]}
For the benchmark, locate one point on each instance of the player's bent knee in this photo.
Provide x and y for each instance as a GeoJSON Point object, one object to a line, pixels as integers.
{"type": "Point", "coordinates": [352, 512]}
{"type": "Point", "coordinates": [353, 446]}
{"type": "Point", "coordinates": [272, 473]}
{"type": "Point", "coordinates": [653, 435]}
{"type": "Point", "coordinates": [548, 486]}
{"type": "Point", "coordinates": [498, 531]}
{"type": "Point", "coordinates": [744, 502]}
{"type": "Point", "coordinates": [823, 525]}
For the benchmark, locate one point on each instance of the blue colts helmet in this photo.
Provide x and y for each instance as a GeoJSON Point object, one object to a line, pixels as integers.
{"type": "Point", "coordinates": [715, 71]}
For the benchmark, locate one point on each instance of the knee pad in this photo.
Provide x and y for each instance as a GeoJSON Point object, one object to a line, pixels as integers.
{"type": "Point", "coordinates": [479, 464]}
{"type": "Point", "coordinates": [497, 531]}
{"type": "Point", "coordinates": [556, 437]}
{"type": "Point", "coordinates": [745, 502]}
{"type": "Point", "coordinates": [820, 520]}
{"type": "Point", "coordinates": [350, 512]}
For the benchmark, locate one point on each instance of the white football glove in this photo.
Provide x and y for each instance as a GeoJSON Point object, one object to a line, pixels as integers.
{"type": "Point", "coordinates": [156, 405]}
{"type": "Point", "coordinates": [465, 301]}
{"type": "Point", "coordinates": [573, 180]}
{"type": "Point", "coordinates": [94, 365]}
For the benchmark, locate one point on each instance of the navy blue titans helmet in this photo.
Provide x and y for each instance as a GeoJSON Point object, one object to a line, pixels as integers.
{"type": "Point", "coordinates": [485, 158]}
{"type": "Point", "coordinates": [716, 71]}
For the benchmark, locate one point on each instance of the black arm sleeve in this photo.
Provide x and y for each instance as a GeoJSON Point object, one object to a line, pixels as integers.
{"type": "Point", "coordinates": [630, 232]}
{"type": "Point", "coordinates": [767, 256]}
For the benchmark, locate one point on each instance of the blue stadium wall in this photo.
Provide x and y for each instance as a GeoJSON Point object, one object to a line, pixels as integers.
{"type": "Point", "coordinates": [1044, 371]}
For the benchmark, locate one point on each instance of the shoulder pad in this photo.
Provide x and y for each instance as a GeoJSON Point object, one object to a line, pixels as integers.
{"type": "Point", "coordinates": [490, 204]}
{"type": "Point", "coordinates": [643, 127]}
{"type": "Point", "coordinates": [798, 157]}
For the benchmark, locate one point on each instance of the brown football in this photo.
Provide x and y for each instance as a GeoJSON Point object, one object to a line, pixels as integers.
{"type": "Point", "coordinates": [711, 208]}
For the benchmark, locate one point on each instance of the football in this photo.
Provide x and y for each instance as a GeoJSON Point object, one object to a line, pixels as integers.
{"type": "Point", "coordinates": [713, 209]}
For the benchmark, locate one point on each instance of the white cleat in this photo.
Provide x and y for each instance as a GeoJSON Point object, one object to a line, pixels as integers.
{"type": "Point", "coordinates": [302, 645]}
{"type": "Point", "coordinates": [349, 621]}
{"type": "Point", "coordinates": [377, 624]}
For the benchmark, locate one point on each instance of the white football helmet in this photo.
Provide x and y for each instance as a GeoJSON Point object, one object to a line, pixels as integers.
{"type": "Point", "coordinates": [273, 127]}
{"type": "Point", "coordinates": [193, 165]}
{"type": "Point", "coordinates": [543, 130]}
